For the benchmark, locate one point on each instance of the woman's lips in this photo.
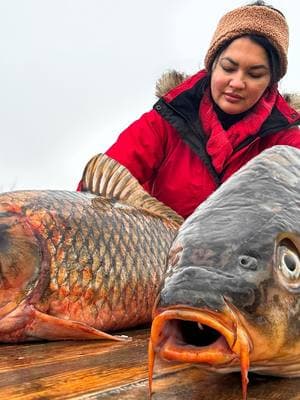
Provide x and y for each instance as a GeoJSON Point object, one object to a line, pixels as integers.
{"type": "Point", "coordinates": [232, 98]}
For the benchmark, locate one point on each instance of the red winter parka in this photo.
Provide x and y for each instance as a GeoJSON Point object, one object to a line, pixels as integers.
{"type": "Point", "coordinates": [180, 152]}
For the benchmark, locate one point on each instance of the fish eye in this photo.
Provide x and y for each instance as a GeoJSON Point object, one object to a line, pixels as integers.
{"type": "Point", "coordinates": [3, 236]}
{"type": "Point", "coordinates": [289, 263]}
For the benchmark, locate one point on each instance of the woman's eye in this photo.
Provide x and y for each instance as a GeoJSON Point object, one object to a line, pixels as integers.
{"type": "Point", "coordinates": [255, 76]}
{"type": "Point", "coordinates": [227, 69]}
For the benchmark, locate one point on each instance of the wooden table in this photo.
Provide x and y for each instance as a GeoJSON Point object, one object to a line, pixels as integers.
{"type": "Point", "coordinates": [118, 371]}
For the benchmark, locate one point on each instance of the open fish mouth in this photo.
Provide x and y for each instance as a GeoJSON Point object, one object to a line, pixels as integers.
{"type": "Point", "coordinates": [201, 336]}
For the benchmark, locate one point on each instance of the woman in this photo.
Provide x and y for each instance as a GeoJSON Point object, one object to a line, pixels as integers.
{"type": "Point", "coordinates": [203, 130]}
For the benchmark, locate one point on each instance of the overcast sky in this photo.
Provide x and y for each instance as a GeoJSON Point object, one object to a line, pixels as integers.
{"type": "Point", "coordinates": [75, 73]}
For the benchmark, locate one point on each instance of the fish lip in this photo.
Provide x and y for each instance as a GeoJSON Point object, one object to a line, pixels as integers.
{"type": "Point", "coordinates": [233, 346]}
{"type": "Point", "coordinates": [168, 342]}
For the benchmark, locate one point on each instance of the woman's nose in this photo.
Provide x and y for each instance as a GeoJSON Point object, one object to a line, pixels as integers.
{"type": "Point", "coordinates": [237, 82]}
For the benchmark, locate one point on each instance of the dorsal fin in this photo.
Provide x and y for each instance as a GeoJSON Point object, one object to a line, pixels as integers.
{"type": "Point", "coordinates": [106, 177]}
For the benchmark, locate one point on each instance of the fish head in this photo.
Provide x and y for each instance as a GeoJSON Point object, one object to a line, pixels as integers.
{"type": "Point", "coordinates": [20, 261]}
{"type": "Point", "coordinates": [230, 300]}
{"type": "Point", "coordinates": [245, 307]}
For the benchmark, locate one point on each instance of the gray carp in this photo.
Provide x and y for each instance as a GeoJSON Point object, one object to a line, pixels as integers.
{"type": "Point", "coordinates": [231, 297]}
{"type": "Point", "coordinates": [77, 265]}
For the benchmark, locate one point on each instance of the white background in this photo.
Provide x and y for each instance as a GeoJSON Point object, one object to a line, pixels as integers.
{"type": "Point", "coordinates": [75, 73]}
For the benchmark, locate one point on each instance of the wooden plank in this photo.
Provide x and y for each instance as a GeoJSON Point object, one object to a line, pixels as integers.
{"type": "Point", "coordinates": [62, 369]}
{"type": "Point", "coordinates": [192, 384]}
{"type": "Point", "coordinates": [118, 371]}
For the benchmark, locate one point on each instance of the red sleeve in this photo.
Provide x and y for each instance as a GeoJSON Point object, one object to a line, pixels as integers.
{"type": "Point", "coordinates": [140, 147]}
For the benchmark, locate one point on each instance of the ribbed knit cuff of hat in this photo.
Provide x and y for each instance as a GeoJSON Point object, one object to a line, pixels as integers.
{"type": "Point", "coordinates": [258, 20]}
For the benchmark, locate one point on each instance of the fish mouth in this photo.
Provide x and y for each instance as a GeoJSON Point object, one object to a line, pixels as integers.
{"type": "Point", "coordinates": [190, 335]}
{"type": "Point", "coordinates": [193, 335]}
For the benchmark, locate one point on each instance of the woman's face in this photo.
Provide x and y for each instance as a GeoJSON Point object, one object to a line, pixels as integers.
{"type": "Point", "coordinates": [240, 76]}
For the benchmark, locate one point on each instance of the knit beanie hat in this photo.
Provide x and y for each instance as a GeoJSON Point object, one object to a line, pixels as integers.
{"type": "Point", "coordinates": [258, 20]}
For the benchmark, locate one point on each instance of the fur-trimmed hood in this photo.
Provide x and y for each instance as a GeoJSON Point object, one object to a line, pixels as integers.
{"type": "Point", "coordinates": [172, 78]}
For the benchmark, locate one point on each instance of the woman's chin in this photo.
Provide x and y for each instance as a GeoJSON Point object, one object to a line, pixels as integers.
{"type": "Point", "coordinates": [232, 107]}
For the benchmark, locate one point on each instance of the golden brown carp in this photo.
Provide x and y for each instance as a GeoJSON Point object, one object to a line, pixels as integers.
{"type": "Point", "coordinates": [231, 297]}
{"type": "Point", "coordinates": [76, 265]}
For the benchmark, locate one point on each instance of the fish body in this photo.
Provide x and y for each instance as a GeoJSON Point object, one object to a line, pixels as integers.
{"type": "Point", "coordinates": [231, 297]}
{"type": "Point", "coordinates": [76, 265]}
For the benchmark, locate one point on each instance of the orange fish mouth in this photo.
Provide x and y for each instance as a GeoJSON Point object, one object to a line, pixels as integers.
{"type": "Point", "coordinates": [200, 336]}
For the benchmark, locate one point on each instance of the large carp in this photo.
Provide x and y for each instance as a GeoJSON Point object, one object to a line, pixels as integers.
{"type": "Point", "coordinates": [231, 297]}
{"type": "Point", "coordinates": [76, 265]}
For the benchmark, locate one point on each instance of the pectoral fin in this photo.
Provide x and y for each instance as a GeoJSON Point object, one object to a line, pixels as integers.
{"type": "Point", "coordinates": [44, 326]}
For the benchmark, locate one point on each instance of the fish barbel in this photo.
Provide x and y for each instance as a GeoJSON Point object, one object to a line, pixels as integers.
{"type": "Point", "coordinates": [76, 265]}
{"type": "Point", "coordinates": [231, 297]}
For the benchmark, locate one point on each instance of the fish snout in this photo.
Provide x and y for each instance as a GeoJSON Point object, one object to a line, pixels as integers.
{"type": "Point", "coordinates": [206, 287]}
{"type": "Point", "coordinates": [197, 319]}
